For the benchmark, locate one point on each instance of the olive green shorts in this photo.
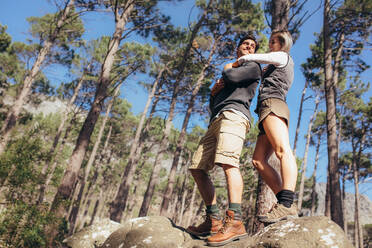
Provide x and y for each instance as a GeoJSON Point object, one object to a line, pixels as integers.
{"type": "Point", "coordinates": [223, 142]}
{"type": "Point", "coordinates": [275, 106]}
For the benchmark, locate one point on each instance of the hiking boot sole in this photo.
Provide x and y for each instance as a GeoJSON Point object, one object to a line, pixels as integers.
{"type": "Point", "coordinates": [238, 237]}
{"type": "Point", "coordinates": [200, 235]}
{"type": "Point", "coordinates": [271, 221]}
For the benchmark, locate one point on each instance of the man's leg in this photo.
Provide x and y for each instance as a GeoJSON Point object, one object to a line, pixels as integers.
{"type": "Point", "coordinates": [213, 222]}
{"type": "Point", "coordinates": [234, 182]}
{"type": "Point", "coordinates": [205, 186]}
{"type": "Point", "coordinates": [202, 162]}
{"type": "Point", "coordinates": [233, 228]}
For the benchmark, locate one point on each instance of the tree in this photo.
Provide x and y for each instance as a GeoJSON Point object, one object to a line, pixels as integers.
{"type": "Point", "coordinates": [125, 12]}
{"type": "Point", "coordinates": [356, 131]}
{"type": "Point", "coordinates": [304, 162]}
{"type": "Point", "coordinates": [59, 33]}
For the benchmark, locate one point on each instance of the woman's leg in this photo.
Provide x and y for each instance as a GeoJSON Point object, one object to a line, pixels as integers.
{"type": "Point", "coordinates": [261, 155]}
{"type": "Point", "coordinates": [277, 133]}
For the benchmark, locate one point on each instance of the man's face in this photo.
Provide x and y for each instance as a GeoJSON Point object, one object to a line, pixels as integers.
{"type": "Point", "coordinates": [247, 47]}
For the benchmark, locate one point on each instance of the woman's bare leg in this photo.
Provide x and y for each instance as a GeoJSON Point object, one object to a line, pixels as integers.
{"type": "Point", "coordinates": [261, 155]}
{"type": "Point", "coordinates": [277, 133]}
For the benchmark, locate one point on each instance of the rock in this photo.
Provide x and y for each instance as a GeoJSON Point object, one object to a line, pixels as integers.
{"type": "Point", "coordinates": [92, 236]}
{"type": "Point", "coordinates": [155, 231]}
{"type": "Point", "coordinates": [160, 232]}
{"type": "Point", "coordinates": [306, 232]}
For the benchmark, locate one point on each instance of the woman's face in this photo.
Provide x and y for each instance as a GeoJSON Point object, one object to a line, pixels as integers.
{"type": "Point", "coordinates": [274, 44]}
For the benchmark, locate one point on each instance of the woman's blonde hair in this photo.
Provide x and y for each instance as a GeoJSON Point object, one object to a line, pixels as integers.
{"type": "Point", "coordinates": [284, 38]}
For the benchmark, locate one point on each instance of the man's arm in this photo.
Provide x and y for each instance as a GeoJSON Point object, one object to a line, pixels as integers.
{"type": "Point", "coordinates": [249, 72]}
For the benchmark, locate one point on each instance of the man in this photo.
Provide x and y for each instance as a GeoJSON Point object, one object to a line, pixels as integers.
{"type": "Point", "coordinates": [230, 119]}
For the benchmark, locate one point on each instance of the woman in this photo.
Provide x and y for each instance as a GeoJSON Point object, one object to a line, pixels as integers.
{"type": "Point", "coordinates": [273, 124]}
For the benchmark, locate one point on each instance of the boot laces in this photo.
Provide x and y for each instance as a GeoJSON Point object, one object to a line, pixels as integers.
{"type": "Point", "coordinates": [227, 221]}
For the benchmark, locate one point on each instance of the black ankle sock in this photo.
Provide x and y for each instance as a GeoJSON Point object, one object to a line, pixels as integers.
{"type": "Point", "coordinates": [212, 209]}
{"type": "Point", "coordinates": [285, 197]}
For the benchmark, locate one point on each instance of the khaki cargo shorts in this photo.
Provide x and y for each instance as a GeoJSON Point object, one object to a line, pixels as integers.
{"type": "Point", "coordinates": [223, 142]}
{"type": "Point", "coordinates": [275, 106]}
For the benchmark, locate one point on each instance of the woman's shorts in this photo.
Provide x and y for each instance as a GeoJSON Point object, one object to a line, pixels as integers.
{"type": "Point", "coordinates": [275, 106]}
{"type": "Point", "coordinates": [223, 142]}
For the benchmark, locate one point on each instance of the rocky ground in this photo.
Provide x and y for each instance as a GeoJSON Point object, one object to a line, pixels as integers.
{"type": "Point", "coordinates": [160, 232]}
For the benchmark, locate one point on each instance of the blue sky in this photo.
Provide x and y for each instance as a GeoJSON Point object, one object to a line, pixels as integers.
{"type": "Point", "coordinates": [13, 13]}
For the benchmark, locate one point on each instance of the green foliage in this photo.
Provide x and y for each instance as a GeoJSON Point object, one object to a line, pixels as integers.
{"type": "Point", "coordinates": [21, 156]}
{"type": "Point", "coordinates": [5, 39]}
{"type": "Point", "coordinates": [10, 67]}
{"type": "Point", "coordinates": [22, 223]}
{"type": "Point", "coordinates": [43, 28]}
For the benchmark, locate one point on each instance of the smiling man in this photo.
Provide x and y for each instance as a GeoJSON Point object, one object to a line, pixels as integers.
{"type": "Point", "coordinates": [230, 120]}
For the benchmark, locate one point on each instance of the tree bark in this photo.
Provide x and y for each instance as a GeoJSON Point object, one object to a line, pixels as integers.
{"type": "Point", "coordinates": [154, 178]}
{"type": "Point", "coordinates": [74, 216]}
{"type": "Point", "coordinates": [358, 230]}
{"type": "Point", "coordinates": [304, 166]}
{"type": "Point", "coordinates": [279, 14]}
{"type": "Point", "coordinates": [330, 92]}
{"type": "Point", "coordinates": [70, 176]}
{"type": "Point", "coordinates": [13, 113]}
{"type": "Point", "coordinates": [182, 137]}
{"type": "Point", "coordinates": [52, 150]}
{"type": "Point", "coordinates": [313, 192]}
{"type": "Point", "coordinates": [120, 201]}
{"type": "Point", "coordinates": [191, 206]}
{"type": "Point", "coordinates": [299, 117]}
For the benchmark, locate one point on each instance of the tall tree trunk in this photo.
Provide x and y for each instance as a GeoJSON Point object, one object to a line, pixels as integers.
{"type": "Point", "coordinates": [264, 202]}
{"type": "Point", "coordinates": [120, 201]}
{"type": "Point", "coordinates": [191, 206]}
{"type": "Point", "coordinates": [279, 14]}
{"type": "Point", "coordinates": [344, 199]}
{"type": "Point", "coordinates": [52, 150]}
{"type": "Point", "coordinates": [163, 144]}
{"type": "Point", "coordinates": [75, 211]}
{"type": "Point", "coordinates": [97, 171]}
{"type": "Point", "coordinates": [70, 176]}
{"type": "Point", "coordinates": [13, 113]}
{"type": "Point", "coordinates": [183, 200]}
{"type": "Point", "coordinates": [358, 230]}
{"type": "Point", "coordinates": [304, 166]}
{"type": "Point", "coordinates": [330, 93]}
{"type": "Point", "coordinates": [299, 117]}
{"type": "Point", "coordinates": [182, 137]}
{"type": "Point", "coordinates": [313, 192]}
{"type": "Point", "coordinates": [154, 178]}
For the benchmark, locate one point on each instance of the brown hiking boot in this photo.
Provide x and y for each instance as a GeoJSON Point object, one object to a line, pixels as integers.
{"type": "Point", "coordinates": [211, 225]}
{"type": "Point", "coordinates": [279, 212]}
{"type": "Point", "coordinates": [233, 229]}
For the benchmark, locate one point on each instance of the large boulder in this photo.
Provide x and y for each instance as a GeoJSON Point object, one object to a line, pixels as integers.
{"type": "Point", "coordinates": [92, 236]}
{"type": "Point", "coordinates": [155, 231]}
{"type": "Point", "coordinates": [306, 232]}
{"type": "Point", "coordinates": [160, 232]}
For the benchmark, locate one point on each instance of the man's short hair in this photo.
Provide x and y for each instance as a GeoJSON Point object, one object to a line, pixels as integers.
{"type": "Point", "coordinates": [249, 36]}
